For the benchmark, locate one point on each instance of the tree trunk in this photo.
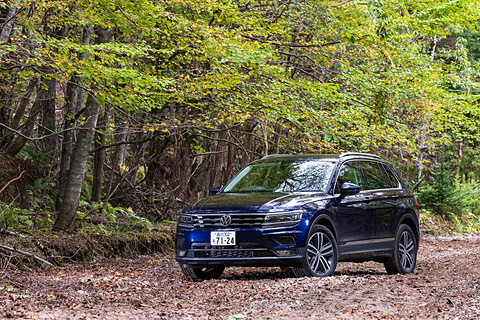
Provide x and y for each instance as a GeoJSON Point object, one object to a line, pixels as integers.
{"type": "Point", "coordinates": [73, 103]}
{"type": "Point", "coordinates": [7, 19]}
{"type": "Point", "coordinates": [248, 127]}
{"type": "Point", "coordinates": [183, 166]}
{"type": "Point", "coordinates": [218, 170]}
{"type": "Point", "coordinates": [45, 100]}
{"type": "Point", "coordinates": [48, 115]}
{"type": "Point", "coordinates": [119, 155]}
{"type": "Point", "coordinates": [275, 147]}
{"type": "Point", "coordinates": [73, 188]}
{"type": "Point", "coordinates": [24, 100]}
{"type": "Point", "coordinates": [68, 136]}
{"type": "Point", "coordinates": [232, 158]}
{"type": "Point", "coordinates": [19, 141]}
{"type": "Point", "coordinates": [205, 185]}
{"type": "Point", "coordinates": [76, 173]}
{"type": "Point", "coordinates": [99, 160]}
{"type": "Point", "coordinates": [422, 147]}
{"type": "Point", "coordinates": [7, 25]}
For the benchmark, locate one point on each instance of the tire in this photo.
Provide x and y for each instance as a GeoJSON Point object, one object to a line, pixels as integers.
{"type": "Point", "coordinates": [405, 252]}
{"type": "Point", "coordinates": [202, 273]}
{"type": "Point", "coordinates": [321, 255]}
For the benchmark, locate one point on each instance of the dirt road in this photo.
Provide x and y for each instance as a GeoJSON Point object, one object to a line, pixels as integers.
{"type": "Point", "coordinates": [445, 285]}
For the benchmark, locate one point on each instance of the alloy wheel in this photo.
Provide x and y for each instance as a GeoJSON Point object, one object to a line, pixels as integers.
{"type": "Point", "coordinates": [406, 250]}
{"type": "Point", "coordinates": [320, 253]}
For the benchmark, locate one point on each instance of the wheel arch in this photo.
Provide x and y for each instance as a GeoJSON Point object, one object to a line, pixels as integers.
{"type": "Point", "coordinates": [323, 219]}
{"type": "Point", "coordinates": [410, 220]}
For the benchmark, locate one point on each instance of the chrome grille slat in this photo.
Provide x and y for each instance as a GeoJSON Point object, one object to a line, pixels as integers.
{"type": "Point", "coordinates": [239, 220]}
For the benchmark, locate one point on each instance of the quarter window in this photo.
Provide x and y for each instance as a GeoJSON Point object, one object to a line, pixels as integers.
{"type": "Point", "coordinates": [390, 177]}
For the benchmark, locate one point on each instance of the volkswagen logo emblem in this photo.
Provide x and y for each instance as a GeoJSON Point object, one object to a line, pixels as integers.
{"type": "Point", "coordinates": [225, 220]}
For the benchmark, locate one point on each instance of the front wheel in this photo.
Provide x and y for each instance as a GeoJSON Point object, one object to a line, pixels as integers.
{"type": "Point", "coordinates": [202, 273]}
{"type": "Point", "coordinates": [405, 252]}
{"type": "Point", "coordinates": [321, 256]}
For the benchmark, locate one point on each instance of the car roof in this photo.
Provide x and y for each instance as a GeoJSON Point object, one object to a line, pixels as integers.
{"type": "Point", "coordinates": [343, 156]}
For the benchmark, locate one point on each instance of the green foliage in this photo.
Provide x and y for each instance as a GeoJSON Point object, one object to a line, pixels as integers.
{"type": "Point", "coordinates": [436, 225]}
{"type": "Point", "coordinates": [104, 218]}
{"type": "Point", "coordinates": [441, 195]}
{"type": "Point", "coordinates": [469, 193]}
{"type": "Point", "coordinates": [86, 193]}
{"type": "Point", "coordinates": [42, 196]}
{"type": "Point", "coordinates": [450, 195]}
{"type": "Point", "coordinates": [472, 40]}
{"type": "Point", "coordinates": [469, 164]}
{"type": "Point", "coordinates": [138, 223]}
{"type": "Point", "coordinates": [8, 215]}
{"type": "Point", "coordinates": [397, 77]}
{"type": "Point", "coordinates": [15, 218]}
{"type": "Point", "coordinates": [341, 76]}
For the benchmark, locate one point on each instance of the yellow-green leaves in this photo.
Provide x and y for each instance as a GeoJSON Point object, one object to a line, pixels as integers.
{"type": "Point", "coordinates": [335, 75]}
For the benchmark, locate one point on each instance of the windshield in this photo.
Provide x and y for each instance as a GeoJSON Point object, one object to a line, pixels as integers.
{"type": "Point", "coordinates": [283, 176]}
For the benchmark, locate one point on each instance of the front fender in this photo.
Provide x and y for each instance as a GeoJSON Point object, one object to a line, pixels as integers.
{"type": "Point", "coordinates": [324, 218]}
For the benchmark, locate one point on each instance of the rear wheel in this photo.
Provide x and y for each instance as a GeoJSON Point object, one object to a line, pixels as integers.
{"type": "Point", "coordinates": [321, 256]}
{"type": "Point", "coordinates": [405, 252]}
{"type": "Point", "coordinates": [196, 273]}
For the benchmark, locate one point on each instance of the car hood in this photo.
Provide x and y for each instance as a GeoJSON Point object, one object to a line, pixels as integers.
{"type": "Point", "coordinates": [255, 202]}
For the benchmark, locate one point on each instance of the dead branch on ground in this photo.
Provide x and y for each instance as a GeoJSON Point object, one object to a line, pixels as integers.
{"type": "Point", "coordinates": [25, 253]}
{"type": "Point", "coordinates": [35, 241]}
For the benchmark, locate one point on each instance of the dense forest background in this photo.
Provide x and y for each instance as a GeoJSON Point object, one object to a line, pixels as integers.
{"type": "Point", "coordinates": [136, 108]}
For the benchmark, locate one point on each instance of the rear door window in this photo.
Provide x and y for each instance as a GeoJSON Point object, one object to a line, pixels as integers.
{"type": "Point", "coordinates": [373, 176]}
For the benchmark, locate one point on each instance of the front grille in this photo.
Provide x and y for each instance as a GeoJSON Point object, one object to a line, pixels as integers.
{"type": "Point", "coordinates": [241, 250]}
{"type": "Point", "coordinates": [239, 220]}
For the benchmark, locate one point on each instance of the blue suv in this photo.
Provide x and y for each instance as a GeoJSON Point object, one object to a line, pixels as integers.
{"type": "Point", "coordinates": [303, 213]}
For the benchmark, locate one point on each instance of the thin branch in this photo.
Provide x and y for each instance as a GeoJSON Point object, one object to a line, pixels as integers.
{"type": "Point", "coordinates": [293, 45]}
{"type": "Point", "coordinates": [42, 137]}
{"type": "Point", "coordinates": [25, 253]}
{"type": "Point", "coordinates": [210, 153]}
{"type": "Point", "coordinates": [17, 66]}
{"type": "Point", "coordinates": [122, 143]}
{"type": "Point", "coordinates": [125, 15]}
{"type": "Point", "coordinates": [343, 3]}
{"type": "Point", "coordinates": [36, 242]}
{"type": "Point", "coordinates": [12, 181]}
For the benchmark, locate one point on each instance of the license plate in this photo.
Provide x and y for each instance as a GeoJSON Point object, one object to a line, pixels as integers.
{"type": "Point", "coordinates": [222, 238]}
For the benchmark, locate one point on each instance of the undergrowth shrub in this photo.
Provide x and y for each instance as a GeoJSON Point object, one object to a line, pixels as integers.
{"type": "Point", "coordinates": [453, 196]}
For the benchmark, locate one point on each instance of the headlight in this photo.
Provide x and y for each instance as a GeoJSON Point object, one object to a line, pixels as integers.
{"type": "Point", "coordinates": [282, 219]}
{"type": "Point", "coordinates": [185, 220]}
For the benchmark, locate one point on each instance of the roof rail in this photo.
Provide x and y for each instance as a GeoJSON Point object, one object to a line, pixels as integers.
{"type": "Point", "coordinates": [346, 154]}
{"type": "Point", "coordinates": [273, 155]}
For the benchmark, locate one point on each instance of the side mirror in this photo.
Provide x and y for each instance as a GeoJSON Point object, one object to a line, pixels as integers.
{"type": "Point", "coordinates": [348, 189]}
{"type": "Point", "coordinates": [215, 191]}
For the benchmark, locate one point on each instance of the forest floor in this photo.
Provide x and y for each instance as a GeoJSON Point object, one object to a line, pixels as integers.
{"type": "Point", "coordinates": [444, 285]}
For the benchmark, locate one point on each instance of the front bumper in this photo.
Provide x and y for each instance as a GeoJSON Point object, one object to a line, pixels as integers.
{"type": "Point", "coordinates": [254, 247]}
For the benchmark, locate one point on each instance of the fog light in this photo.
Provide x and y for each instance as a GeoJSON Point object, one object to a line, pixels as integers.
{"type": "Point", "coordinates": [284, 252]}
{"type": "Point", "coordinates": [181, 253]}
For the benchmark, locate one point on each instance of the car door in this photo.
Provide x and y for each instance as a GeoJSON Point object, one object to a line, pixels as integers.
{"type": "Point", "coordinates": [391, 206]}
{"type": "Point", "coordinates": [355, 224]}
{"type": "Point", "coordinates": [380, 203]}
